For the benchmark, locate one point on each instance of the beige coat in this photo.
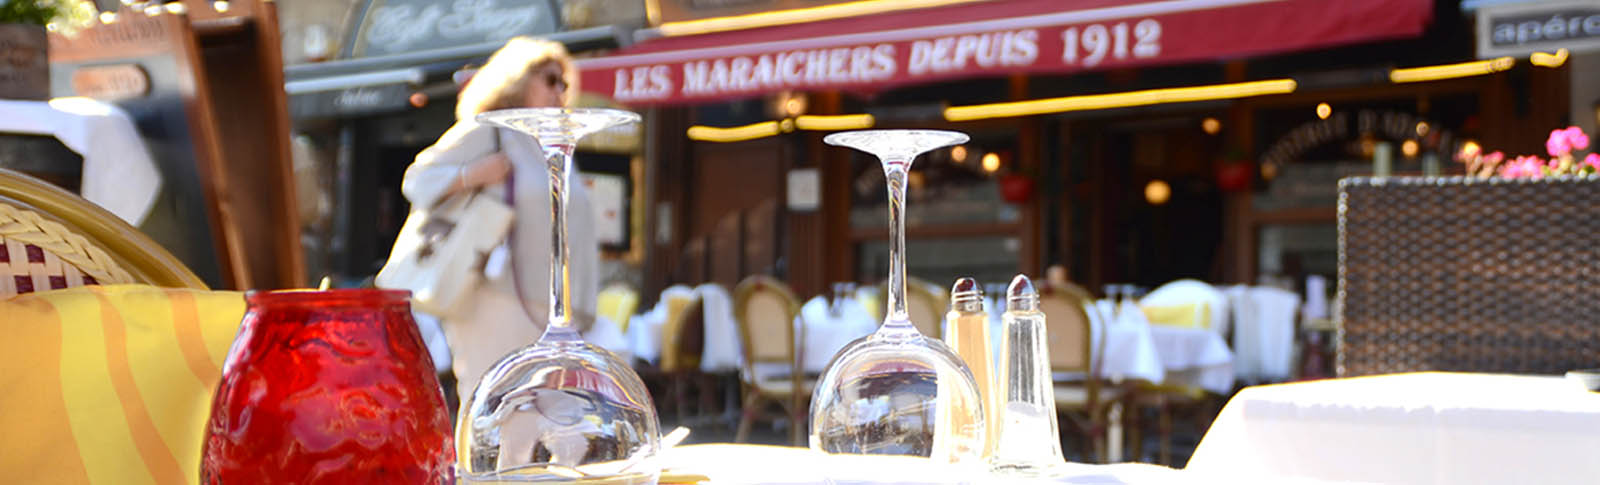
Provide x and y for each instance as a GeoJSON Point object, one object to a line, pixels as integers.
{"type": "Point", "coordinates": [491, 323]}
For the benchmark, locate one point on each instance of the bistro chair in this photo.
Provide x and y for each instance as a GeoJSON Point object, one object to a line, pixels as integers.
{"type": "Point", "coordinates": [766, 312]}
{"type": "Point", "coordinates": [72, 278]}
{"type": "Point", "coordinates": [682, 343]}
{"type": "Point", "coordinates": [1079, 394]}
{"type": "Point", "coordinates": [53, 239]}
{"type": "Point", "coordinates": [1182, 303]}
{"type": "Point", "coordinates": [1208, 303]}
{"type": "Point", "coordinates": [617, 302]}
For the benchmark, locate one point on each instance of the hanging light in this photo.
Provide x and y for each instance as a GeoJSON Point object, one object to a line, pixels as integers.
{"type": "Point", "coordinates": [1409, 148]}
{"type": "Point", "coordinates": [991, 162]}
{"type": "Point", "coordinates": [1324, 111]}
{"type": "Point", "coordinates": [1157, 192]}
{"type": "Point", "coordinates": [958, 153]}
{"type": "Point", "coordinates": [1211, 125]}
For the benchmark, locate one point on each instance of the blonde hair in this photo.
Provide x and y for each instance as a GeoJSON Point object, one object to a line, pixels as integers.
{"type": "Point", "coordinates": [502, 82]}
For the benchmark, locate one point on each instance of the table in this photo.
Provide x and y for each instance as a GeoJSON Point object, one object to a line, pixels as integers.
{"type": "Point", "coordinates": [1135, 349]}
{"type": "Point", "coordinates": [1421, 428]}
{"type": "Point", "coordinates": [827, 330]}
{"type": "Point", "coordinates": [782, 465]}
{"type": "Point", "coordinates": [118, 173]}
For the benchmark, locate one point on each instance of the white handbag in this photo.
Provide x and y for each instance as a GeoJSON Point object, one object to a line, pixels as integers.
{"type": "Point", "coordinates": [440, 252]}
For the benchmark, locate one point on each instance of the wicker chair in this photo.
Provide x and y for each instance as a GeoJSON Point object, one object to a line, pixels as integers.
{"type": "Point", "coordinates": [766, 310]}
{"type": "Point", "coordinates": [1079, 394]}
{"type": "Point", "coordinates": [1465, 274]}
{"type": "Point", "coordinates": [53, 239]}
{"type": "Point", "coordinates": [683, 342]}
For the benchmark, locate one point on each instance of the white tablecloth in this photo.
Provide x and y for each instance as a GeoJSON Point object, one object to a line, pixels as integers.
{"type": "Point", "coordinates": [1263, 333]}
{"type": "Point", "coordinates": [827, 332]}
{"type": "Point", "coordinates": [741, 464]}
{"type": "Point", "coordinates": [117, 171]}
{"type": "Point", "coordinates": [1135, 349]}
{"type": "Point", "coordinates": [722, 351]}
{"type": "Point", "coordinates": [1425, 428]}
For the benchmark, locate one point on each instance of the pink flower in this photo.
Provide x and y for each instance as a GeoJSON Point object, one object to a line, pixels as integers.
{"type": "Point", "coordinates": [1525, 166]}
{"type": "Point", "coordinates": [1576, 139]}
{"type": "Point", "coordinates": [1593, 160]}
{"type": "Point", "coordinates": [1558, 144]}
{"type": "Point", "coordinates": [1494, 158]}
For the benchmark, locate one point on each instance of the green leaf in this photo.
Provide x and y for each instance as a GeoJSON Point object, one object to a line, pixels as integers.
{"type": "Point", "coordinates": [32, 12]}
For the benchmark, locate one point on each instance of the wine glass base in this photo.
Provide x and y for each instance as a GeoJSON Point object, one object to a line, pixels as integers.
{"type": "Point", "coordinates": [563, 411]}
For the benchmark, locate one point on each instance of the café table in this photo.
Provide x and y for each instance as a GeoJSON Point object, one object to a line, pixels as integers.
{"type": "Point", "coordinates": [828, 328]}
{"type": "Point", "coordinates": [783, 465]}
{"type": "Point", "coordinates": [1417, 428]}
{"type": "Point", "coordinates": [1133, 348]}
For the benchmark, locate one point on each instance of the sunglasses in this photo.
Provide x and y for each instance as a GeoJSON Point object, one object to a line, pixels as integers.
{"type": "Point", "coordinates": [555, 80]}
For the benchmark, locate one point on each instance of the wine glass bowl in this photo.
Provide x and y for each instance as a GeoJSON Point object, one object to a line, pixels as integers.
{"type": "Point", "coordinates": [561, 409]}
{"type": "Point", "coordinates": [897, 392]}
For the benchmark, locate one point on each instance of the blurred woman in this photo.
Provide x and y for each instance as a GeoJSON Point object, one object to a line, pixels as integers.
{"type": "Point", "coordinates": [491, 322]}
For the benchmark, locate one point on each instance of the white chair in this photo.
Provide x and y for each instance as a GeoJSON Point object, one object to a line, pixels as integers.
{"type": "Point", "coordinates": [1189, 291]}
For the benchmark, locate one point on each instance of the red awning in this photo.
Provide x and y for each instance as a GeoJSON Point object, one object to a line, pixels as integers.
{"type": "Point", "coordinates": [999, 37]}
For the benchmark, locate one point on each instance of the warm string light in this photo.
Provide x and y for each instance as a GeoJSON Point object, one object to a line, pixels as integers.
{"type": "Point", "coordinates": [1549, 60]}
{"type": "Point", "coordinates": [1119, 100]}
{"type": "Point", "coordinates": [834, 123]}
{"type": "Point", "coordinates": [798, 15]}
{"type": "Point", "coordinates": [991, 162]}
{"type": "Point", "coordinates": [786, 125]}
{"type": "Point", "coordinates": [1103, 101]}
{"type": "Point", "coordinates": [1450, 71]}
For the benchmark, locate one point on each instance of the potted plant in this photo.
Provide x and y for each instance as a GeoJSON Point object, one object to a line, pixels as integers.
{"type": "Point", "coordinates": [24, 45]}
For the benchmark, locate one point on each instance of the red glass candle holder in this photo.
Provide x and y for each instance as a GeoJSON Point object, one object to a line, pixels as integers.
{"type": "Point", "coordinates": [328, 387]}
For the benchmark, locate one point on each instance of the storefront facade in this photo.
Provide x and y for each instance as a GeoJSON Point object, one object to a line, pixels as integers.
{"type": "Point", "coordinates": [1081, 124]}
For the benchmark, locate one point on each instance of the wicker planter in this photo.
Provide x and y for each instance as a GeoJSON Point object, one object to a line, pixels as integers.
{"type": "Point", "coordinates": [24, 62]}
{"type": "Point", "coordinates": [1466, 274]}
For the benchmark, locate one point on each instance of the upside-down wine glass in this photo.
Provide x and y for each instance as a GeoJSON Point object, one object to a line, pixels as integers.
{"type": "Point", "coordinates": [897, 392]}
{"type": "Point", "coordinates": [559, 410]}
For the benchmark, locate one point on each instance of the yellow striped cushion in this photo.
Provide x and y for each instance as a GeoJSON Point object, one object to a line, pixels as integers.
{"type": "Point", "coordinates": [110, 384]}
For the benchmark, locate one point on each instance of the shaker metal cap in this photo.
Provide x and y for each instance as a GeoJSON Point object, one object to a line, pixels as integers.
{"type": "Point", "coordinates": [1021, 295]}
{"type": "Point", "coordinates": [966, 296]}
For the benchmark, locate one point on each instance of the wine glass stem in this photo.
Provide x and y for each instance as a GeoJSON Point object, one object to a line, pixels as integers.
{"type": "Point", "coordinates": [895, 171]}
{"type": "Point", "coordinates": [559, 159]}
